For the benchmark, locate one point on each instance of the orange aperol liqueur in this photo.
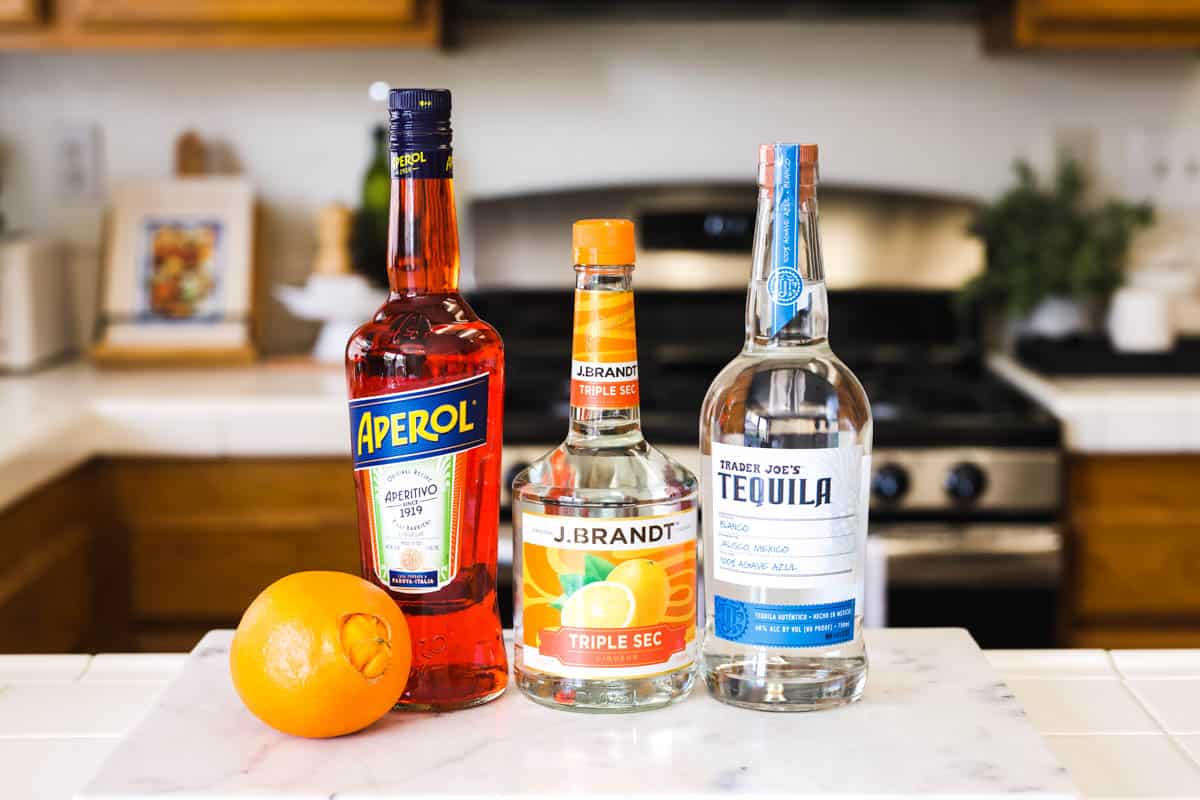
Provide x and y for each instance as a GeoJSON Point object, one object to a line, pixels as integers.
{"type": "Point", "coordinates": [426, 384]}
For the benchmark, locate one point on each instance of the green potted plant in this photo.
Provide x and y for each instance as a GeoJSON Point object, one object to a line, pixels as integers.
{"type": "Point", "coordinates": [1052, 260]}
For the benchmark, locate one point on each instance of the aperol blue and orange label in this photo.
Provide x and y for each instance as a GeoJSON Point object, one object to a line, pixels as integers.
{"type": "Point", "coordinates": [434, 420]}
{"type": "Point", "coordinates": [409, 450]}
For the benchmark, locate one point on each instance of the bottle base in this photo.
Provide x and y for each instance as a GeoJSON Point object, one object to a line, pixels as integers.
{"type": "Point", "coordinates": [606, 696]}
{"type": "Point", "coordinates": [470, 702]}
{"type": "Point", "coordinates": [785, 685]}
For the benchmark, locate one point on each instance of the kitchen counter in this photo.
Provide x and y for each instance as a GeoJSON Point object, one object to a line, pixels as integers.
{"type": "Point", "coordinates": [52, 421]}
{"type": "Point", "coordinates": [1115, 413]}
{"type": "Point", "coordinates": [1124, 723]}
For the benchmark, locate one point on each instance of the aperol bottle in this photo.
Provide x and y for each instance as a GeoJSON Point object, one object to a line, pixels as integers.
{"type": "Point", "coordinates": [426, 381]}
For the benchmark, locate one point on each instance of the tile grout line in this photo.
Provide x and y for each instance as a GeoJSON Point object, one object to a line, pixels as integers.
{"type": "Point", "coordinates": [1175, 743]}
{"type": "Point", "coordinates": [1142, 705]}
{"type": "Point", "coordinates": [1112, 664]}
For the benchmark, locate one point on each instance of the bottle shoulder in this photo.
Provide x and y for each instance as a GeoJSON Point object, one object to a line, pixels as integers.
{"type": "Point", "coordinates": [435, 323]}
{"type": "Point", "coordinates": [819, 362]}
{"type": "Point", "coordinates": [786, 397]}
{"type": "Point", "coordinates": [633, 474]}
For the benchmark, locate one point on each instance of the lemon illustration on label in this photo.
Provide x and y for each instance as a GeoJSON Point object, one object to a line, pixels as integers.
{"type": "Point", "coordinates": [648, 581]}
{"type": "Point", "coordinates": [600, 605]}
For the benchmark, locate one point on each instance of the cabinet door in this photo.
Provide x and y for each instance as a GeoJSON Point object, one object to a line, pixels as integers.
{"type": "Point", "coordinates": [1106, 24]}
{"type": "Point", "coordinates": [174, 24]}
{"type": "Point", "coordinates": [244, 12]}
{"type": "Point", "coordinates": [1138, 12]}
{"type": "Point", "coordinates": [1134, 543]}
{"type": "Point", "coordinates": [18, 12]}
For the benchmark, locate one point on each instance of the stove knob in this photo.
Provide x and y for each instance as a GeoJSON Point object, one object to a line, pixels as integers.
{"type": "Point", "coordinates": [965, 482]}
{"type": "Point", "coordinates": [889, 483]}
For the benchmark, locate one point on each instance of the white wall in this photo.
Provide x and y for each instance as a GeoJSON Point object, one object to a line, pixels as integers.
{"type": "Point", "coordinates": [905, 105]}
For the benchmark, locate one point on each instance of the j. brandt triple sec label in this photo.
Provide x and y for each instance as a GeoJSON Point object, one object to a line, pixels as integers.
{"type": "Point", "coordinates": [791, 523]}
{"type": "Point", "coordinates": [409, 449]}
{"type": "Point", "coordinates": [604, 367]}
{"type": "Point", "coordinates": [608, 597]}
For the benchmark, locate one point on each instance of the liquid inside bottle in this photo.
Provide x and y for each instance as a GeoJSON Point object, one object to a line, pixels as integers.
{"type": "Point", "coordinates": [426, 385]}
{"type": "Point", "coordinates": [605, 525]}
{"type": "Point", "coordinates": [785, 435]}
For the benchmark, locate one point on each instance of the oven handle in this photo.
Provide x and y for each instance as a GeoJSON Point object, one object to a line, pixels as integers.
{"type": "Point", "coordinates": [984, 555]}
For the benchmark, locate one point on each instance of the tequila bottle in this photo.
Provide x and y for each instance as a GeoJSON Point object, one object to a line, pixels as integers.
{"type": "Point", "coordinates": [785, 433]}
{"type": "Point", "coordinates": [605, 525]}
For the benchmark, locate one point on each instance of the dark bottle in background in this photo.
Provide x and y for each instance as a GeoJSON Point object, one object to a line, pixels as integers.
{"type": "Point", "coordinates": [369, 234]}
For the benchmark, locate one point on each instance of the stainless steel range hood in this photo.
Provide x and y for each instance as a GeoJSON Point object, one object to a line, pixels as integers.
{"type": "Point", "coordinates": [877, 239]}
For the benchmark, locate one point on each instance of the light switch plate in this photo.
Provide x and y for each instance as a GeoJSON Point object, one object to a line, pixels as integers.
{"type": "Point", "coordinates": [1163, 166]}
{"type": "Point", "coordinates": [79, 165]}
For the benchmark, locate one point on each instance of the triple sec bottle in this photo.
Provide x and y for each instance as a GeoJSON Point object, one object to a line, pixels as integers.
{"type": "Point", "coordinates": [785, 433]}
{"type": "Point", "coordinates": [605, 524]}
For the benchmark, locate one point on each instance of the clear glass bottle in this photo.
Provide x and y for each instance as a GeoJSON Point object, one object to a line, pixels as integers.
{"type": "Point", "coordinates": [605, 525]}
{"type": "Point", "coordinates": [785, 433]}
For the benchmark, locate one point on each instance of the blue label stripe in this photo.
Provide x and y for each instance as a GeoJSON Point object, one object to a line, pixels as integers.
{"type": "Point", "coordinates": [412, 580]}
{"type": "Point", "coordinates": [783, 626]}
{"type": "Point", "coordinates": [785, 284]}
{"type": "Point", "coordinates": [430, 421]}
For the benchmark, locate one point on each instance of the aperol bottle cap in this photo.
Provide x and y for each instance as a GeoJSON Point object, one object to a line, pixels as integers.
{"type": "Point", "coordinates": [603, 242]}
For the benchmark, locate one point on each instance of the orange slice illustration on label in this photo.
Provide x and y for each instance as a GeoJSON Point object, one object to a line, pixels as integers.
{"type": "Point", "coordinates": [600, 605]}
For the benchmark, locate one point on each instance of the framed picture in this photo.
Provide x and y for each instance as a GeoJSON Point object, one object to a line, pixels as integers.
{"type": "Point", "coordinates": [178, 273]}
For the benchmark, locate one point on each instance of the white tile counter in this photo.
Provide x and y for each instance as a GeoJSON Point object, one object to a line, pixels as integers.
{"type": "Point", "coordinates": [1114, 414]}
{"type": "Point", "coordinates": [1126, 724]}
{"type": "Point", "coordinates": [55, 420]}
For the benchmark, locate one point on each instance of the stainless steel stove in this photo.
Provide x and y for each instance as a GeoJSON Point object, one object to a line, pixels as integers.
{"type": "Point", "coordinates": [966, 493]}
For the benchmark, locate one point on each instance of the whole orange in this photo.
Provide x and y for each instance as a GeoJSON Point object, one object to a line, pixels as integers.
{"type": "Point", "coordinates": [321, 654]}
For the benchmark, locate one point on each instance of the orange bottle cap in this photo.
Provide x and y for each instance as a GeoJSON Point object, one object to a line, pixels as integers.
{"type": "Point", "coordinates": [603, 242]}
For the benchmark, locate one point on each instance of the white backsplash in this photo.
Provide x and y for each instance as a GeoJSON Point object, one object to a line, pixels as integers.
{"type": "Point", "coordinates": [912, 105]}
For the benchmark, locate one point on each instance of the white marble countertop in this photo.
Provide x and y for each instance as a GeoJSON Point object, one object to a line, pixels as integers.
{"type": "Point", "coordinates": [1117, 413]}
{"type": "Point", "coordinates": [1126, 724]}
{"type": "Point", "coordinates": [935, 721]}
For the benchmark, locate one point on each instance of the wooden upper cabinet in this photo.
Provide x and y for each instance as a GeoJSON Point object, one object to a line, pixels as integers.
{"type": "Point", "coordinates": [1094, 24]}
{"type": "Point", "coordinates": [245, 12]}
{"type": "Point", "coordinates": [182, 24]}
{"type": "Point", "coordinates": [18, 12]}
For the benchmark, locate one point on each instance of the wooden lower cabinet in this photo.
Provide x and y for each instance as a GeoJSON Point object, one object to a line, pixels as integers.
{"type": "Point", "coordinates": [1134, 551]}
{"type": "Point", "coordinates": [1115, 637]}
{"type": "Point", "coordinates": [148, 554]}
{"type": "Point", "coordinates": [18, 12]}
{"type": "Point", "coordinates": [49, 562]}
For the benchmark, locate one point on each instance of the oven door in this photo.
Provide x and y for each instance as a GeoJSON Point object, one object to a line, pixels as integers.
{"type": "Point", "coordinates": [1000, 581]}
